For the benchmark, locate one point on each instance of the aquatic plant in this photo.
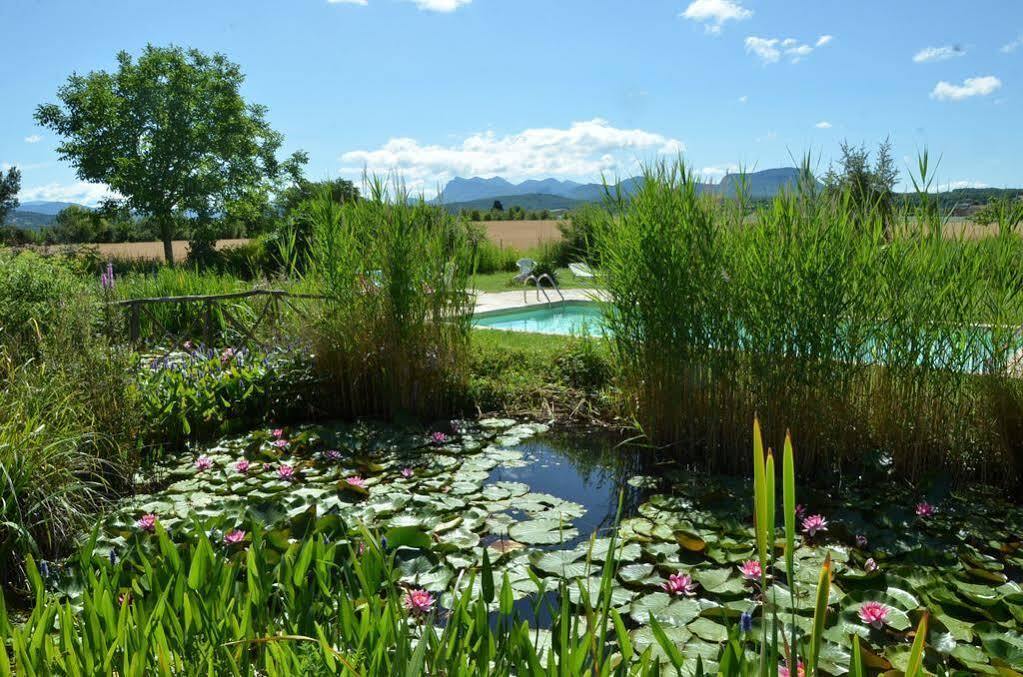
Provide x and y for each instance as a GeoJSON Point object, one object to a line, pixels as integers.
{"type": "Point", "coordinates": [356, 481]}
{"type": "Point", "coordinates": [234, 537]}
{"type": "Point", "coordinates": [814, 524]}
{"type": "Point", "coordinates": [925, 509]}
{"type": "Point", "coordinates": [718, 310]}
{"type": "Point", "coordinates": [243, 465]}
{"type": "Point", "coordinates": [873, 613]}
{"type": "Point", "coordinates": [286, 472]}
{"type": "Point", "coordinates": [751, 570]}
{"type": "Point", "coordinates": [680, 584]}
{"type": "Point", "coordinates": [392, 334]}
{"type": "Point", "coordinates": [203, 463]}
{"type": "Point", "coordinates": [147, 522]}
{"type": "Point", "coordinates": [419, 602]}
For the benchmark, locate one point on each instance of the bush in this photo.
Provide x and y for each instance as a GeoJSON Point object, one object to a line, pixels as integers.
{"type": "Point", "coordinates": [203, 394]}
{"type": "Point", "coordinates": [36, 293]}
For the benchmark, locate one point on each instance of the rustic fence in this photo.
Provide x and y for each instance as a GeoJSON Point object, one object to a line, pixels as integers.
{"type": "Point", "coordinates": [253, 319]}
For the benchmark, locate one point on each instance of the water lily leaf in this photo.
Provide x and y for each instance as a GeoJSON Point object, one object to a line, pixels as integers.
{"type": "Point", "coordinates": [564, 563]}
{"type": "Point", "coordinates": [690, 541]}
{"type": "Point", "coordinates": [410, 537]}
{"type": "Point", "coordinates": [707, 629]}
{"type": "Point", "coordinates": [619, 595]}
{"type": "Point", "coordinates": [635, 573]}
{"type": "Point", "coordinates": [542, 532]}
{"type": "Point", "coordinates": [719, 581]}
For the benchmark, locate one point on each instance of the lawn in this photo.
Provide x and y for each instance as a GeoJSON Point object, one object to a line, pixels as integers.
{"type": "Point", "coordinates": [504, 281]}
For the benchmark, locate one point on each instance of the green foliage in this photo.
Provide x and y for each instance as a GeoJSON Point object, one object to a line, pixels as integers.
{"type": "Point", "coordinates": [197, 396]}
{"type": "Point", "coordinates": [809, 313]}
{"type": "Point", "coordinates": [10, 185]}
{"type": "Point", "coordinates": [169, 131]}
{"type": "Point", "coordinates": [393, 332]}
{"type": "Point", "coordinates": [36, 293]}
{"type": "Point", "coordinates": [579, 231]}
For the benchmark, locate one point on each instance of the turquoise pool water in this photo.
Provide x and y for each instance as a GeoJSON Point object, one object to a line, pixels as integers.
{"type": "Point", "coordinates": [570, 317]}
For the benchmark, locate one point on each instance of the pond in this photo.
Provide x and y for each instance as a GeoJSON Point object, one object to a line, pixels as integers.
{"type": "Point", "coordinates": [535, 497]}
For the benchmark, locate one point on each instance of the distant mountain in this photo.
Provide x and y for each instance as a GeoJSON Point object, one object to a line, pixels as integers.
{"type": "Point", "coordinates": [760, 185]}
{"type": "Point", "coordinates": [529, 202]}
{"type": "Point", "coordinates": [26, 220]}
{"type": "Point", "coordinates": [43, 207]}
{"type": "Point", "coordinates": [763, 184]}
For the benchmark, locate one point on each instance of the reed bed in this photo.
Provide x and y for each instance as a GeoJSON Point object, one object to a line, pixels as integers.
{"type": "Point", "coordinates": [392, 334]}
{"type": "Point", "coordinates": [872, 348]}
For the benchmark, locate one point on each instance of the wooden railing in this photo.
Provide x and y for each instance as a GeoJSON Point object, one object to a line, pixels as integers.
{"type": "Point", "coordinates": [253, 319]}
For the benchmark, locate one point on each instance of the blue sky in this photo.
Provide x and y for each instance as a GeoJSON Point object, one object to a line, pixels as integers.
{"type": "Point", "coordinates": [564, 88]}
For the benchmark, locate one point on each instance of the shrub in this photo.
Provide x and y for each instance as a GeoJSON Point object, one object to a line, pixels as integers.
{"type": "Point", "coordinates": [35, 293]}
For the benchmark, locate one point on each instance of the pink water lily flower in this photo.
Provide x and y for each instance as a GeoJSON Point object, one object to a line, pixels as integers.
{"type": "Point", "coordinates": [784, 671]}
{"type": "Point", "coordinates": [870, 566]}
{"type": "Point", "coordinates": [406, 473]}
{"type": "Point", "coordinates": [242, 465]}
{"type": "Point", "coordinates": [333, 455]}
{"type": "Point", "coordinates": [280, 444]}
{"type": "Point", "coordinates": [925, 509]}
{"type": "Point", "coordinates": [356, 482]}
{"type": "Point", "coordinates": [147, 523]}
{"type": "Point", "coordinates": [439, 438]}
{"type": "Point", "coordinates": [813, 524]}
{"type": "Point", "coordinates": [751, 570]}
{"type": "Point", "coordinates": [203, 463]}
{"type": "Point", "coordinates": [861, 541]}
{"type": "Point", "coordinates": [285, 472]}
{"type": "Point", "coordinates": [234, 536]}
{"type": "Point", "coordinates": [680, 584]}
{"type": "Point", "coordinates": [419, 602]}
{"type": "Point", "coordinates": [874, 614]}
{"type": "Point", "coordinates": [277, 433]}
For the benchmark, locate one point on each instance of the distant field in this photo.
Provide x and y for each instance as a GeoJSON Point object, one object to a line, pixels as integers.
{"type": "Point", "coordinates": [522, 234]}
{"type": "Point", "coordinates": [152, 251]}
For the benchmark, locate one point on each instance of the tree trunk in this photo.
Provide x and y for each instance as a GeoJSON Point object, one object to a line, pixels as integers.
{"type": "Point", "coordinates": [167, 234]}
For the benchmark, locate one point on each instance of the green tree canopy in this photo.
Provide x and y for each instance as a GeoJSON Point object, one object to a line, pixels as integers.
{"type": "Point", "coordinates": [10, 184]}
{"type": "Point", "coordinates": [169, 132]}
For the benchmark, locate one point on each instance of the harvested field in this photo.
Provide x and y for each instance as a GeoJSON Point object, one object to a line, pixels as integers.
{"type": "Point", "coordinates": [151, 251]}
{"type": "Point", "coordinates": [522, 234]}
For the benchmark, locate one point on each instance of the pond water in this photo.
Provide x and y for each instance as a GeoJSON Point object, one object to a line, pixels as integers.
{"type": "Point", "coordinates": [534, 498]}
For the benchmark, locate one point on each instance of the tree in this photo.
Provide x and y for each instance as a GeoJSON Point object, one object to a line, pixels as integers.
{"type": "Point", "coordinates": [170, 132]}
{"type": "Point", "coordinates": [498, 207]}
{"type": "Point", "coordinates": [10, 185]}
{"type": "Point", "coordinates": [871, 189]}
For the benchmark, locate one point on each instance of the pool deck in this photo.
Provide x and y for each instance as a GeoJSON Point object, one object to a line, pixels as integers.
{"type": "Point", "coordinates": [487, 302]}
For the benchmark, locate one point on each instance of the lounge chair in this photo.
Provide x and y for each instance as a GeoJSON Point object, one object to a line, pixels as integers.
{"type": "Point", "coordinates": [526, 267]}
{"type": "Point", "coordinates": [582, 270]}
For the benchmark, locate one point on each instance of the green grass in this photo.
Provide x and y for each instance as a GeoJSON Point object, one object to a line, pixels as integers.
{"type": "Point", "coordinates": [519, 373]}
{"type": "Point", "coordinates": [502, 281]}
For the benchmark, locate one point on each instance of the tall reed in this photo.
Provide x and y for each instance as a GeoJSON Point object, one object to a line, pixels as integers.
{"type": "Point", "coordinates": [808, 311]}
{"type": "Point", "coordinates": [393, 333]}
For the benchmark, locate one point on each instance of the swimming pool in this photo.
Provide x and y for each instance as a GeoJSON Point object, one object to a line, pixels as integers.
{"type": "Point", "coordinates": [564, 318]}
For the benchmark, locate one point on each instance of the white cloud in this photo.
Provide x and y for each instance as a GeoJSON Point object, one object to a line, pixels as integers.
{"type": "Point", "coordinates": [1011, 47]}
{"type": "Point", "coordinates": [583, 151]}
{"type": "Point", "coordinates": [34, 138]}
{"type": "Point", "coordinates": [952, 185]}
{"type": "Point", "coordinates": [929, 54]}
{"type": "Point", "coordinates": [743, 99]}
{"type": "Point", "coordinates": [440, 5]}
{"type": "Point", "coordinates": [714, 13]}
{"type": "Point", "coordinates": [429, 5]}
{"type": "Point", "coordinates": [716, 173]}
{"type": "Point", "coordinates": [979, 86]}
{"type": "Point", "coordinates": [771, 50]}
{"type": "Point", "coordinates": [80, 192]}
{"type": "Point", "coordinates": [823, 124]}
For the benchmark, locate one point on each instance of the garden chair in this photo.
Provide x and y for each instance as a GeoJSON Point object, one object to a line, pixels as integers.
{"type": "Point", "coordinates": [582, 271]}
{"type": "Point", "coordinates": [526, 267]}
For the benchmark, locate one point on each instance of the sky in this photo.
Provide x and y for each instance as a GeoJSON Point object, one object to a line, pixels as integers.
{"type": "Point", "coordinates": [571, 89]}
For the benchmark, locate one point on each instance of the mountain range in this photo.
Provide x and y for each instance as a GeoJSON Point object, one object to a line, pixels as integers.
{"type": "Point", "coordinates": [479, 193]}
